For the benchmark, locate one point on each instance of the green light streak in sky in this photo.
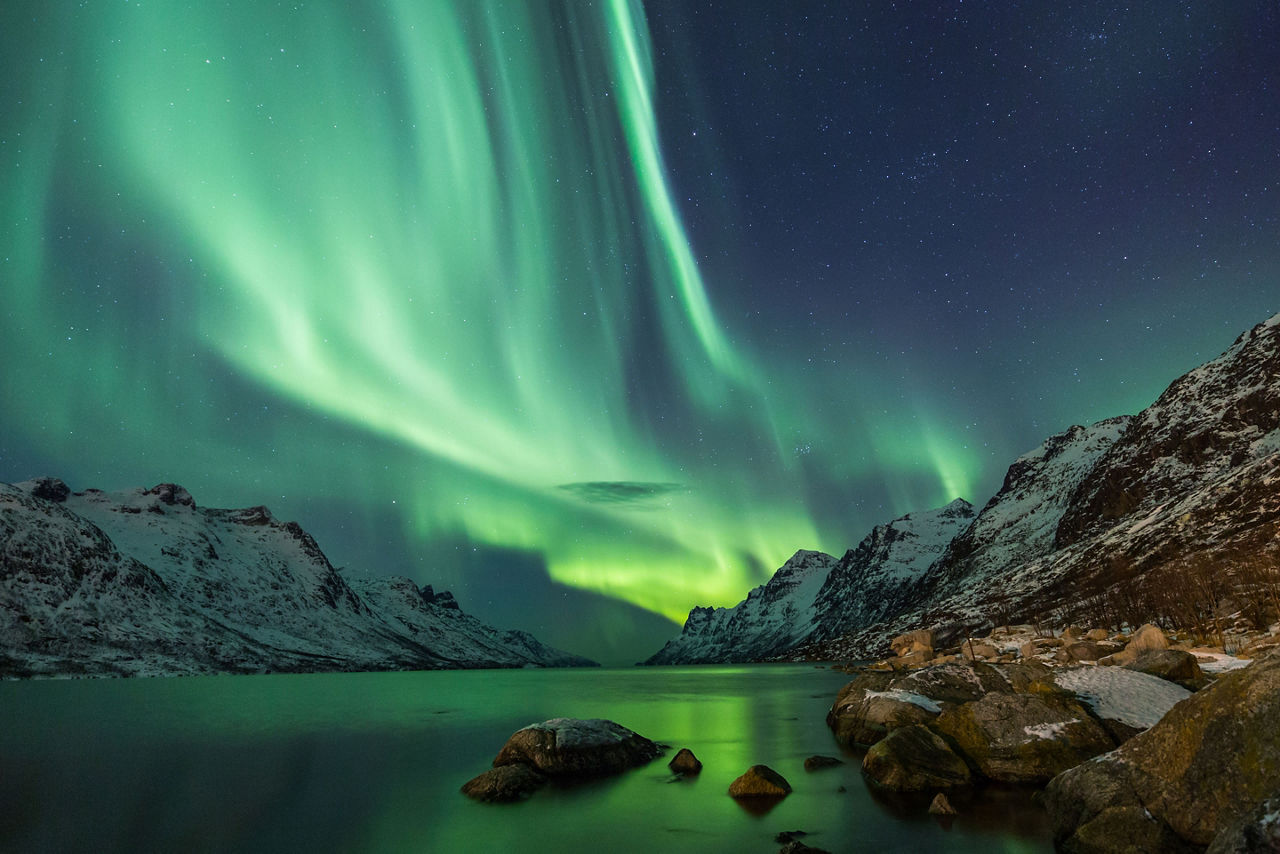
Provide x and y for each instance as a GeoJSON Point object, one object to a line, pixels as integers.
{"type": "Point", "coordinates": [447, 229]}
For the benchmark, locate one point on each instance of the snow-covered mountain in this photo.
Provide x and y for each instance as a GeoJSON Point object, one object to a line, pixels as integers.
{"type": "Point", "coordinates": [1112, 516]}
{"type": "Point", "coordinates": [814, 596]}
{"type": "Point", "coordinates": [146, 582]}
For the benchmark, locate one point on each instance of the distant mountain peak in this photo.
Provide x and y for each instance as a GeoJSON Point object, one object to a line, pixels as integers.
{"type": "Point", "coordinates": [145, 582]}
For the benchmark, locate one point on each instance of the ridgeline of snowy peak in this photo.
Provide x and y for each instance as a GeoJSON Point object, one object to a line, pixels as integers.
{"type": "Point", "coordinates": [1105, 512]}
{"type": "Point", "coordinates": [147, 583]}
{"type": "Point", "coordinates": [814, 595]}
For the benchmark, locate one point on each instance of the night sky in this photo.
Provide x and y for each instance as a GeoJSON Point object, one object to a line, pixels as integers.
{"type": "Point", "coordinates": [596, 311]}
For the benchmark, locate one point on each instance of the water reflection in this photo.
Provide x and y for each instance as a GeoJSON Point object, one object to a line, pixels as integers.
{"type": "Point", "coordinates": [373, 762]}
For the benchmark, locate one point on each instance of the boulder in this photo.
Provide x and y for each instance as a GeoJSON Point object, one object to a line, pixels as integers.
{"type": "Point", "coordinates": [1125, 830]}
{"type": "Point", "coordinates": [1175, 665]}
{"type": "Point", "coordinates": [941, 806]}
{"type": "Point", "coordinates": [1257, 830]}
{"type": "Point", "coordinates": [911, 660]}
{"type": "Point", "coordinates": [569, 747]}
{"type": "Point", "coordinates": [954, 682]}
{"type": "Point", "coordinates": [1029, 677]}
{"type": "Point", "coordinates": [869, 707]}
{"type": "Point", "coordinates": [1023, 738]}
{"type": "Point", "coordinates": [760, 781]}
{"type": "Point", "coordinates": [1200, 769]}
{"type": "Point", "coordinates": [979, 651]}
{"type": "Point", "coordinates": [913, 759]}
{"type": "Point", "coordinates": [814, 763]}
{"type": "Point", "coordinates": [1083, 651]}
{"type": "Point", "coordinates": [685, 762]}
{"type": "Point", "coordinates": [504, 784]}
{"type": "Point", "coordinates": [912, 642]}
{"type": "Point", "coordinates": [1146, 638]}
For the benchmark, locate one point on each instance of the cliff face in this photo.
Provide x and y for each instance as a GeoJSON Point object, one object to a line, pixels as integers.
{"type": "Point", "coordinates": [146, 582]}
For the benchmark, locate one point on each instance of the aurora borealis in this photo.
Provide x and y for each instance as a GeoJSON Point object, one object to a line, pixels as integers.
{"type": "Point", "coordinates": [570, 304]}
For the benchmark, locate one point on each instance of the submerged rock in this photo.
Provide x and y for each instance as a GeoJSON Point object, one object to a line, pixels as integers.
{"type": "Point", "coordinates": [814, 763]}
{"type": "Point", "coordinates": [504, 784]}
{"type": "Point", "coordinates": [570, 747]}
{"type": "Point", "coordinates": [1203, 766]}
{"type": "Point", "coordinates": [685, 762]}
{"type": "Point", "coordinates": [798, 847]}
{"type": "Point", "coordinates": [913, 759]}
{"type": "Point", "coordinates": [760, 781]}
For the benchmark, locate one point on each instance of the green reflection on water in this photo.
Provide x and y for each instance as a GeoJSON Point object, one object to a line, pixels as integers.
{"type": "Point", "coordinates": [373, 762]}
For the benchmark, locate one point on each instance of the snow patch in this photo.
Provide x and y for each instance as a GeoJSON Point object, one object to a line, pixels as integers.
{"type": "Point", "coordinates": [1052, 730]}
{"type": "Point", "coordinates": [1218, 662]}
{"type": "Point", "coordinates": [1137, 699]}
{"type": "Point", "coordinates": [926, 703]}
{"type": "Point", "coordinates": [573, 732]}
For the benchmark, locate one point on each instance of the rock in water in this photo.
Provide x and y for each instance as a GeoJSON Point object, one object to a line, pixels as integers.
{"type": "Point", "coordinates": [760, 781]}
{"type": "Point", "coordinates": [569, 747]}
{"type": "Point", "coordinates": [685, 762]}
{"type": "Point", "coordinates": [942, 806]}
{"type": "Point", "coordinates": [505, 784]}
{"type": "Point", "coordinates": [813, 763]}
{"type": "Point", "coordinates": [798, 847]}
{"type": "Point", "coordinates": [912, 759]}
{"type": "Point", "coordinates": [1204, 765]}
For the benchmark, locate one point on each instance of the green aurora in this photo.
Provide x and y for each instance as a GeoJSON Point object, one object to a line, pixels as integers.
{"type": "Point", "coordinates": [423, 258]}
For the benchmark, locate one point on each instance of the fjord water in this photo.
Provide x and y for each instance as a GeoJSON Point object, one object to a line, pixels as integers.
{"type": "Point", "coordinates": [373, 762]}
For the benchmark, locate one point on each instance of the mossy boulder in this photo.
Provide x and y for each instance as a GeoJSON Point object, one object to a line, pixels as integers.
{"type": "Point", "coordinates": [1257, 830]}
{"type": "Point", "coordinates": [913, 759]}
{"type": "Point", "coordinates": [1023, 738]}
{"type": "Point", "coordinates": [1207, 762]}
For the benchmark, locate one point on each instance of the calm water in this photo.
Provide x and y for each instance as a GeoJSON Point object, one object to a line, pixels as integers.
{"type": "Point", "coordinates": [373, 762]}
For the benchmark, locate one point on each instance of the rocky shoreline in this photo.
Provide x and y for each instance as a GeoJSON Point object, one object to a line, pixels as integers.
{"type": "Point", "coordinates": [1133, 742]}
{"type": "Point", "coordinates": [1143, 742]}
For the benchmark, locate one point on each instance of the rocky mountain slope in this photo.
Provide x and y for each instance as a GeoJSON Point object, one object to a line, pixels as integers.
{"type": "Point", "coordinates": [146, 582]}
{"type": "Point", "coordinates": [814, 596]}
{"type": "Point", "coordinates": [1130, 519]}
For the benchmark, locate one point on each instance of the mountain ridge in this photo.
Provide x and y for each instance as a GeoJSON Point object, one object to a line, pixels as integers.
{"type": "Point", "coordinates": [1102, 521]}
{"type": "Point", "coordinates": [145, 582]}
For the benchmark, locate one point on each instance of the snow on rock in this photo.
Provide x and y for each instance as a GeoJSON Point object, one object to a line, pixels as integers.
{"type": "Point", "coordinates": [578, 732]}
{"type": "Point", "coordinates": [1136, 699]}
{"type": "Point", "coordinates": [1218, 662]}
{"type": "Point", "coordinates": [1049, 730]}
{"type": "Point", "coordinates": [907, 697]}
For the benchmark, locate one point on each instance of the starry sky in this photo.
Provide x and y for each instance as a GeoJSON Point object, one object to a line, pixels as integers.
{"type": "Point", "coordinates": [596, 311]}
